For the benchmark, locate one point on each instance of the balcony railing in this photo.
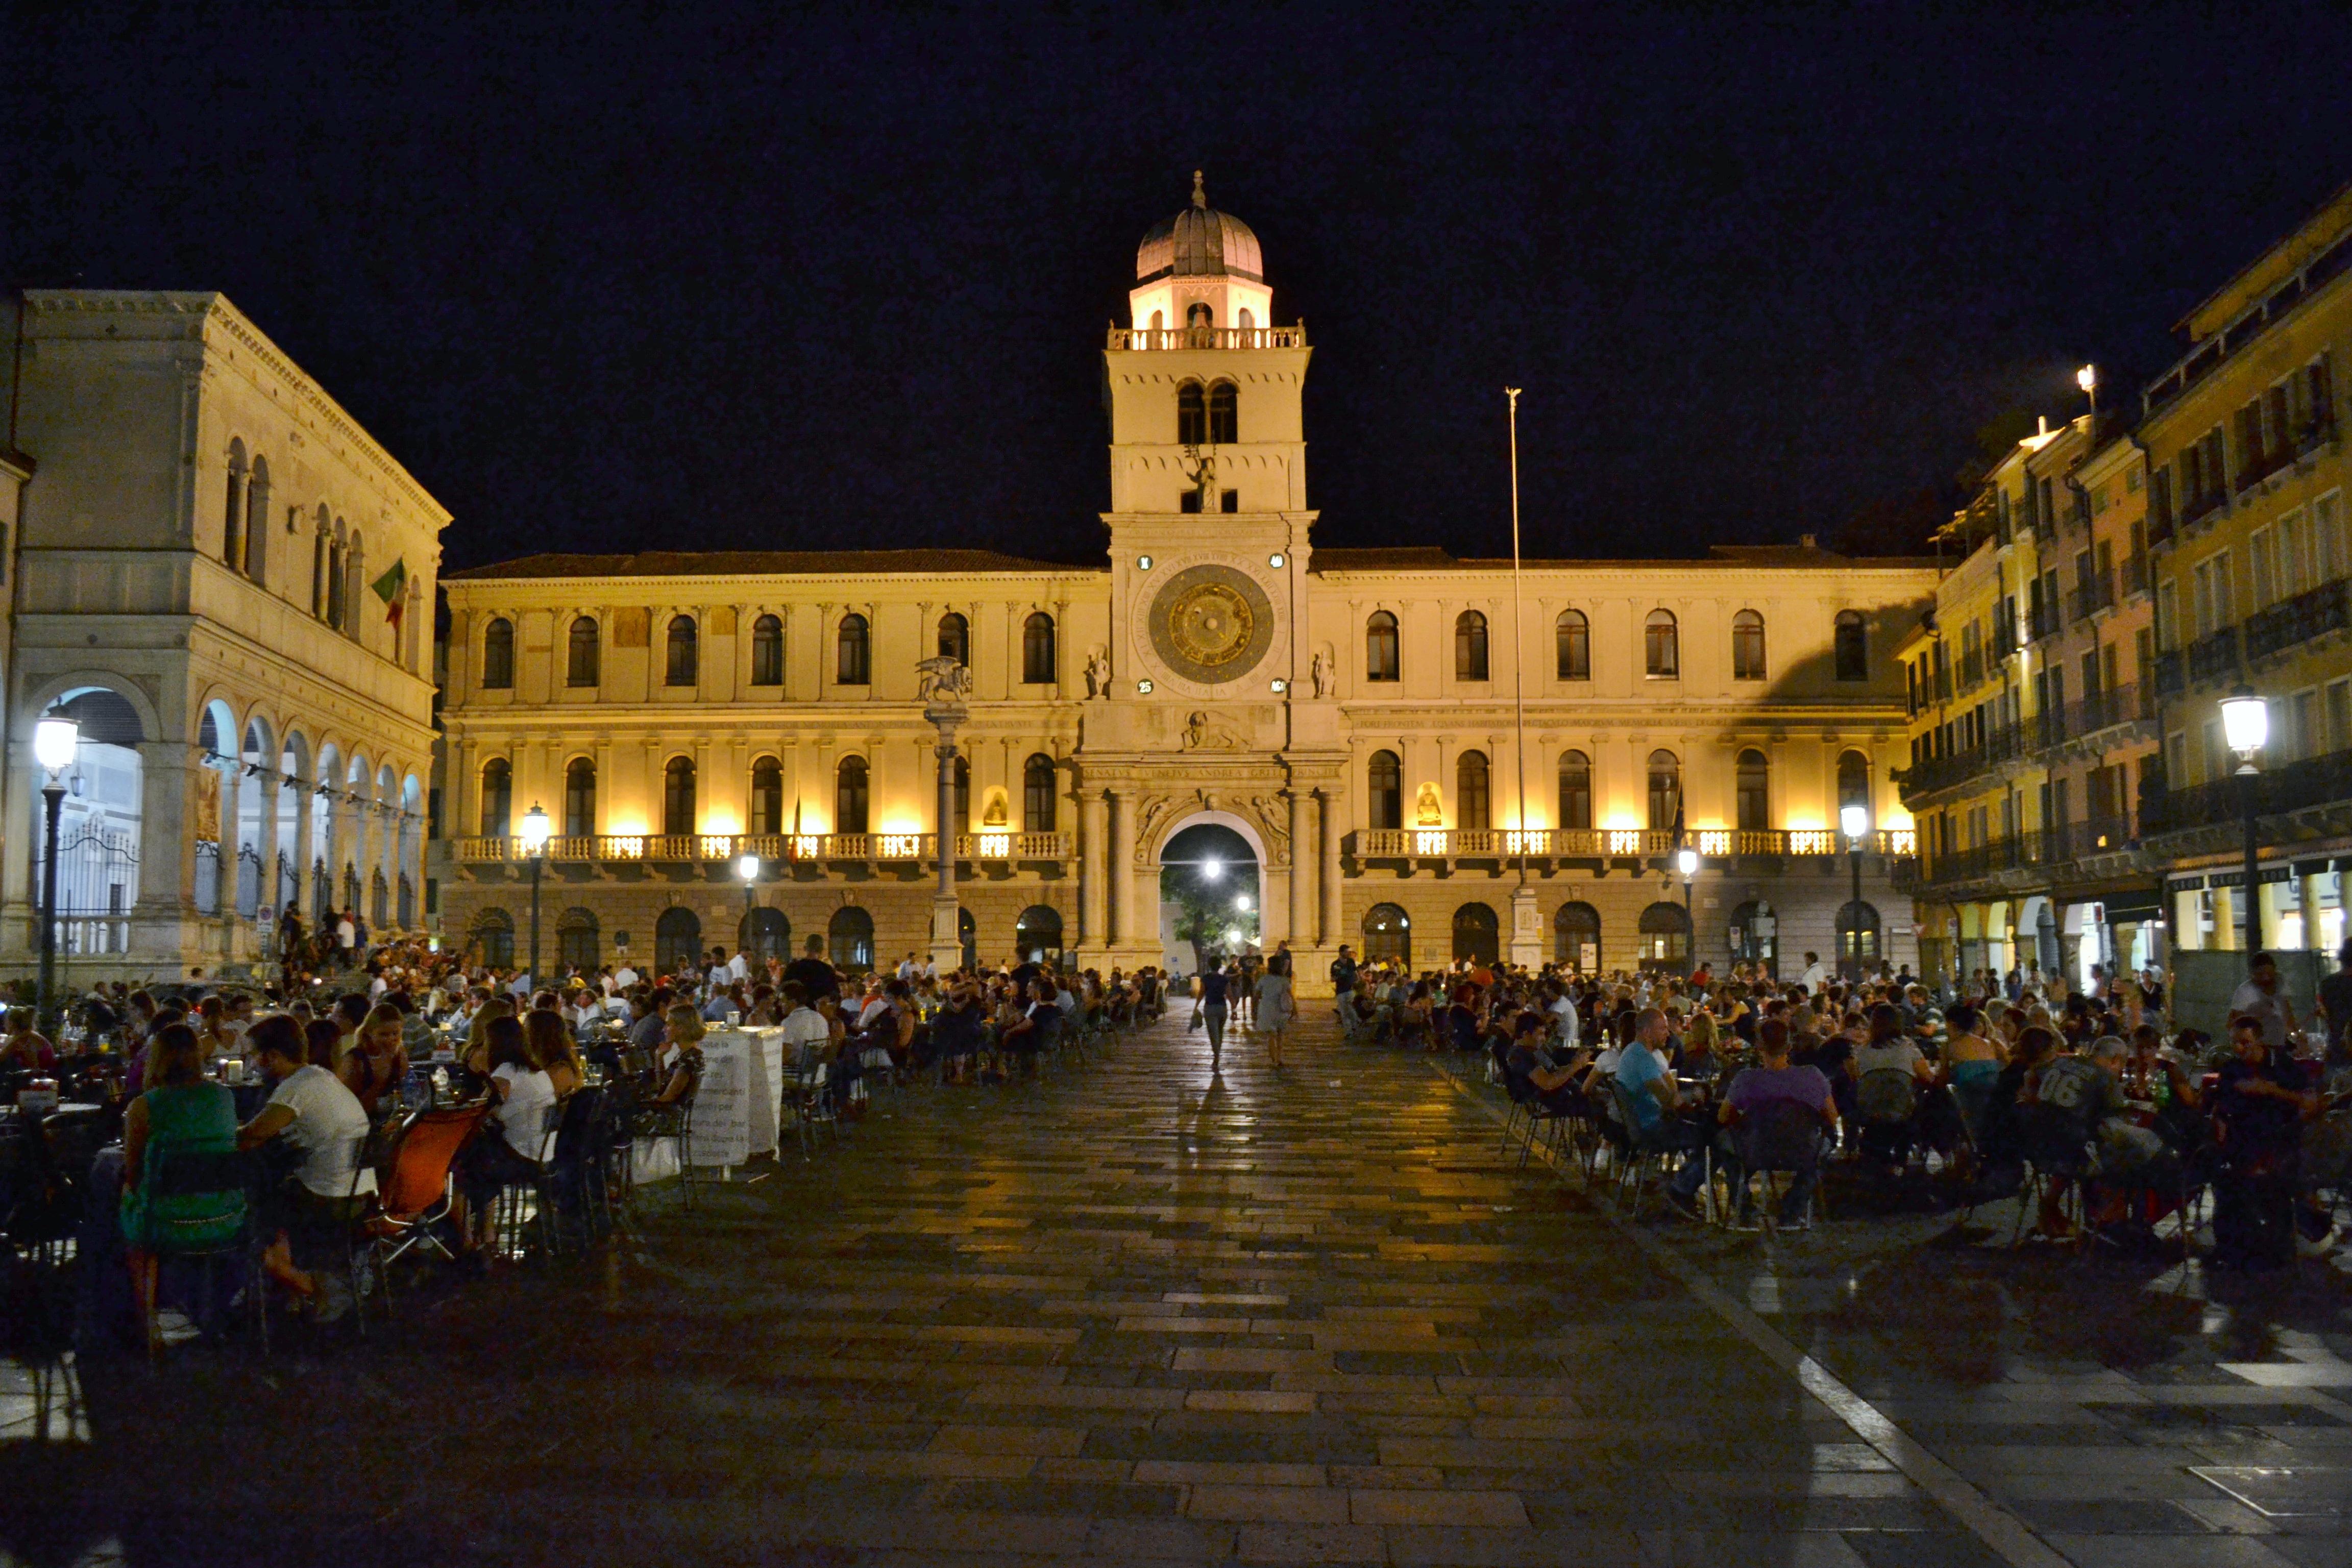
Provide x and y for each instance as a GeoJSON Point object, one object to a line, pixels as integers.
{"type": "Point", "coordinates": [2106, 709]}
{"type": "Point", "coordinates": [2039, 850]}
{"type": "Point", "coordinates": [2214, 655]}
{"type": "Point", "coordinates": [2098, 593]}
{"type": "Point", "coordinates": [2171, 673]}
{"type": "Point", "coordinates": [808, 848]}
{"type": "Point", "coordinates": [2318, 781]}
{"type": "Point", "coordinates": [2298, 620]}
{"type": "Point", "coordinates": [2134, 574]}
{"type": "Point", "coordinates": [1162, 338]}
{"type": "Point", "coordinates": [2041, 621]}
{"type": "Point", "coordinates": [1609, 843]}
{"type": "Point", "coordinates": [2002, 744]}
{"type": "Point", "coordinates": [1972, 669]}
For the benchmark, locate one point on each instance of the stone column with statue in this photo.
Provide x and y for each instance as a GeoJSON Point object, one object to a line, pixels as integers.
{"type": "Point", "coordinates": [944, 683]}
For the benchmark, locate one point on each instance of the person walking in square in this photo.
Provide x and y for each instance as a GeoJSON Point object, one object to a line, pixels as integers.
{"type": "Point", "coordinates": [1274, 1006]}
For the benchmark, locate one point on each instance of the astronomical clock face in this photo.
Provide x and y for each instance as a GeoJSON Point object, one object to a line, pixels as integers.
{"type": "Point", "coordinates": [1210, 624]}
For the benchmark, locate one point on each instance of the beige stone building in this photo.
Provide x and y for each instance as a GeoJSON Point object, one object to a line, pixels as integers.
{"type": "Point", "coordinates": [1353, 714]}
{"type": "Point", "coordinates": [203, 570]}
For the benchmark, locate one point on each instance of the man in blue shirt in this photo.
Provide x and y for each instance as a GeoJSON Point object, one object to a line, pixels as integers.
{"type": "Point", "coordinates": [1651, 1092]}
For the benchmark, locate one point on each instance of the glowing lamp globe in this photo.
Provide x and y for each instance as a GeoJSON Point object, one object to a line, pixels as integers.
{"type": "Point", "coordinates": [2245, 721]}
{"type": "Point", "coordinates": [54, 741]}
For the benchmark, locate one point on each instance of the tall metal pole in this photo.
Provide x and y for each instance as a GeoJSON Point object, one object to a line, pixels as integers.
{"type": "Point", "coordinates": [2250, 796]}
{"type": "Point", "coordinates": [1518, 643]}
{"type": "Point", "coordinates": [537, 861]}
{"type": "Point", "coordinates": [53, 800]}
{"type": "Point", "coordinates": [1856, 908]}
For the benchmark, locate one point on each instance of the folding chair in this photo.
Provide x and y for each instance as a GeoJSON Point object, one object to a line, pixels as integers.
{"type": "Point", "coordinates": [421, 1194]}
{"type": "Point", "coordinates": [1781, 1138]}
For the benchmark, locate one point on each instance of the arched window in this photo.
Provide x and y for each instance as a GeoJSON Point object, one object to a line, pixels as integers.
{"type": "Point", "coordinates": [1159, 321]}
{"type": "Point", "coordinates": [1666, 937]}
{"type": "Point", "coordinates": [1575, 790]}
{"type": "Point", "coordinates": [256, 519]}
{"type": "Point", "coordinates": [1470, 646]}
{"type": "Point", "coordinates": [1037, 795]}
{"type": "Point", "coordinates": [583, 663]}
{"type": "Point", "coordinates": [1666, 788]}
{"type": "Point", "coordinates": [764, 933]}
{"type": "Point", "coordinates": [335, 573]}
{"type": "Point", "coordinates": [1747, 646]}
{"type": "Point", "coordinates": [493, 932]}
{"type": "Point", "coordinates": [963, 821]}
{"type": "Point", "coordinates": [1474, 934]}
{"type": "Point", "coordinates": [1574, 635]}
{"type": "Point", "coordinates": [1037, 662]}
{"type": "Point", "coordinates": [233, 514]}
{"type": "Point", "coordinates": [1386, 779]}
{"type": "Point", "coordinates": [1755, 790]}
{"type": "Point", "coordinates": [1192, 415]}
{"type": "Point", "coordinates": [1381, 646]}
{"type": "Point", "coordinates": [850, 934]}
{"type": "Point", "coordinates": [1857, 925]}
{"type": "Point", "coordinates": [1037, 935]}
{"type": "Point", "coordinates": [1575, 937]}
{"type": "Point", "coordinates": [853, 653]}
{"type": "Point", "coordinates": [955, 637]}
{"type": "Point", "coordinates": [497, 655]}
{"type": "Point", "coordinates": [498, 798]}
{"type": "Point", "coordinates": [849, 795]}
{"type": "Point", "coordinates": [1224, 414]}
{"type": "Point", "coordinates": [767, 651]}
{"type": "Point", "coordinates": [1853, 647]}
{"type": "Point", "coordinates": [1471, 809]}
{"type": "Point", "coordinates": [767, 796]}
{"type": "Point", "coordinates": [1662, 653]}
{"type": "Point", "coordinates": [685, 661]}
{"type": "Point", "coordinates": [1388, 936]}
{"type": "Point", "coordinates": [677, 940]}
{"type": "Point", "coordinates": [678, 795]}
{"type": "Point", "coordinates": [1853, 783]}
{"type": "Point", "coordinates": [576, 946]}
{"type": "Point", "coordinates": [319, 563]}
{"type": "Point", "coordinates": [1244, 318]}
{"type": "Point", "coordinates": [579, 799]}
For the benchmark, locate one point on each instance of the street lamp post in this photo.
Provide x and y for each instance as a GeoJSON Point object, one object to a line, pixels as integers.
{"type": "Point", "coordinates": [2246, 725]}
{"type": "Point", "coordinates": [1687, 862]}
{"type": "Point", "coordinates": [534, 844]}
{"type": "Point", "coordinates": [55, 743]}
{"type": "Point", "coordinates": [1526, 922]}
{"type": "Point", "coordinates": [1856, 820]}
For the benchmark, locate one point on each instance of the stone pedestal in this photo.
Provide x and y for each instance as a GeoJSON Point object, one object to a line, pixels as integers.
{"type": "Point", "coordinates": [1526, 947]}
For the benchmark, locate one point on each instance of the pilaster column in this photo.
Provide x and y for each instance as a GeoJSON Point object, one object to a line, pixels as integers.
{"type": "Point", "coordinates": [1094, 865]}
{"type": "Point", "coordinates": [1122, 866]}
{"type": "Point", "coordinates": [1303, 866]}
{"type": "Point", "coordinates": [1334, 822]}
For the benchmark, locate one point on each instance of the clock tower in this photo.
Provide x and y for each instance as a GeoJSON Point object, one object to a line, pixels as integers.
{"type": "Point", "coordinates": [1213, 703]}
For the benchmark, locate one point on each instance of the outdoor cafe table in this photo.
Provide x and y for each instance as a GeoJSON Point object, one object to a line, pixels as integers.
{"type": "Point", "coordinates": [738, 1110]}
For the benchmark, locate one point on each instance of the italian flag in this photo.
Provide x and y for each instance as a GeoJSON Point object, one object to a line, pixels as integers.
{"type": "Point", "coordinates": [389, 588]}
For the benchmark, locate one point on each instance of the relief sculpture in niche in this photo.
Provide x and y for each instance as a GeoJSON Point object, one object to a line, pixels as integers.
{"type": "Point", "coordinates": [1202, 733]}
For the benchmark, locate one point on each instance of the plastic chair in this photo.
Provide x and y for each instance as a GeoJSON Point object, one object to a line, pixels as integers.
{"type": "Point", "coordinates": [1780, 1138]}
{"type": "Point", "coordinates": [215, 1230]}
{"type": "Point", "coordinates": [565, 1181]}
{"type": "Point", "coordinates": [1643, 1146]}
{"type": "Point", "coordinates": [421, 1194]}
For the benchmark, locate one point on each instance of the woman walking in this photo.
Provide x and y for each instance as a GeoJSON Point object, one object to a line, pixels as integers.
{"type": "Point", "coordinates": [1213, 989]}
{"type": "Point", "coordinates": [1274, 1006]}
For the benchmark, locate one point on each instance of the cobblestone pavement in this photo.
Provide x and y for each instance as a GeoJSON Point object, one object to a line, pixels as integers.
{"type": "Point", "coordinates": [1138, 1314]}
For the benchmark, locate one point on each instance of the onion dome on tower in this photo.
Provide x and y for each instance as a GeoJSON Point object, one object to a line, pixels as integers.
{"type": "Point", "coordinates": [1200, 270]}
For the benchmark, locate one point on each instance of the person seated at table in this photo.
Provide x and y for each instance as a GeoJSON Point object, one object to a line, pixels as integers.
{"type": "Point", "coordinates": [957, 1026]}
{"type": "Point", "coordinates": [1702, 1043]}
{"type": "Point", "coordinates": [377, 1061]}
{"type": "Point", "coordinates": [323, 1039]}
{"type": "Point", "coordinates": [679, 1073]}
{"type": "Point", "coordinates": [1888, 1071]}
{"type": "Point", "coordinates": [323, 1129]}
{"type": "Point", "coordinates": [514, 1140]}
{"type": "Point", "coordinates": [648, 1010]}
{"type": "Point", "coordinates": [181, 1112]}
{"type": "Point", "coordinates": [1031, 1027]}
{"type": "Point", "coordinates": [26, 1048]}
{"type": "Point", "coordinates": [1775, 1079]}
{"type": "Point", "coordinates": [1528, 1070]}
{"type": "Point", "coordinates": [1653, 1097]}
{"type": "Point", "coordinates": [553, 1052]}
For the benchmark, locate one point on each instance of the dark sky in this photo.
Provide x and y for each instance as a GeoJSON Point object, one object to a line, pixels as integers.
{"type": "Point", "coordinates": [680, 277]}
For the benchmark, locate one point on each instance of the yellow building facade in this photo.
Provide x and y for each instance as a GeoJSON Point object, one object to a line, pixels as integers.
{"type": "Point", "coordinates": [1354, 715]}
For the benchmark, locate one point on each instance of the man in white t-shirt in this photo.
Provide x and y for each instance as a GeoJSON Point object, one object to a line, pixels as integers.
{"type": "Point", "coordinates": [2263, 996]}
{"type": "Point", "coordinates": [1815, 972]}
{"type": "Point", "coordinates": [624, 977]}
{"type": "Point", "coordinates": [322, 1121]}
{"type": "Point", "coordinates": [737, 967]}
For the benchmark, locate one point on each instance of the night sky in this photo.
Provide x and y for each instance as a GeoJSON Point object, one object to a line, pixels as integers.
{"type": "Point", "coordinates": [680, 277]}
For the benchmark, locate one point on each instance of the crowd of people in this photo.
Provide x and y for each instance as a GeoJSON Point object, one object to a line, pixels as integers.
{"type": "Point", "coordinates": [2116, 1119]}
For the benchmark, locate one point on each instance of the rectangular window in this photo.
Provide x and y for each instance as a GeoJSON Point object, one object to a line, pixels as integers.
{"type": "Point", "coordinates": [2294, 552]}
{"type": "Point", "coordinates": [2201, 608]}
{"type": "Point", "coordinates": [2339, 715]}
{"type": "Point", "coordinates": [1189, 501]}
{"type": "Point", "coordinates": [1230, 500]}
{"type": "Point", "coordinates": [2305, 736]}
{"type": "Point", "coordinates": [2225, 591]}
{"type": "Point", "coordinates": [2176, 758]}
{"type": "Point", "coordinates": [2262, 562]}
{"type": "Point", "coordinates": [432, 895]}
{"type": "Point", "coordinates": [2167, 612]}
{"type": "Point", "coordinates": [2214, 765]}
